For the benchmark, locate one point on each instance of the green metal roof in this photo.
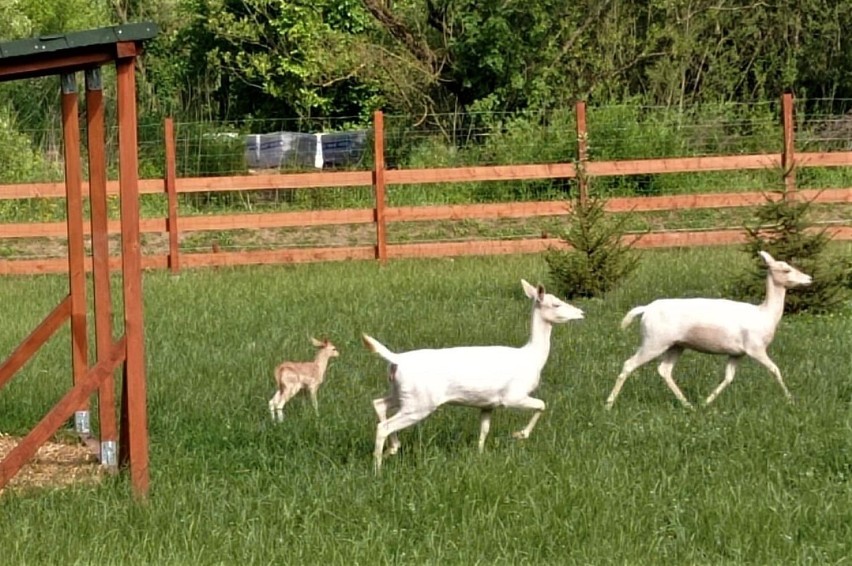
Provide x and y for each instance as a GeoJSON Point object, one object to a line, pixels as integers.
{"type": "Point", "coordinates": [80, 40]}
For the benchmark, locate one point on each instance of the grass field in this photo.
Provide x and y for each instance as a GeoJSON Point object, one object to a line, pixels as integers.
{"type": "Point", "coordinates": [750, 480]}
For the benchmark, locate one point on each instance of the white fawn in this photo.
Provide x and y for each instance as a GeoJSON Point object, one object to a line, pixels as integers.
{"type": "Point", "coordinates": [292, 377]}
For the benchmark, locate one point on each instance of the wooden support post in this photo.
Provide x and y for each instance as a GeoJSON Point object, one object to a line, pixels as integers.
{"type": "Point", "coordinates": [76, 244]}
{"type": "Point", "coordinates": [171, 193]}
{"type": "Point", "coordinates": [788, 157]}
{"type": "Point", "coordinates": [379, 185]}
{"type": "Point", "coordinates": [582, 149]}
{"type": "Point", "coordinates": [133, 446]}
{"type": "Point", "coordinates": [100, 258]}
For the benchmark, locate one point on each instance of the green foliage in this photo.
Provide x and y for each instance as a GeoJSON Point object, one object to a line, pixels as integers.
{"type": "Point", "coordinates": [784, 230]}
{"type": "Point", "coordinates": [597, 259]}
{"type": "Point", "coordinates": [21, 162]}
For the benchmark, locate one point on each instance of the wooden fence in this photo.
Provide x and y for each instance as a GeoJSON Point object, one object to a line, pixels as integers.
{"type": "Point", "coordinates": [380, 215]}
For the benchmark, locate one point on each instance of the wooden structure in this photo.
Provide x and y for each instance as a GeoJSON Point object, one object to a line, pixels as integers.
{"type": "Point", "coordinates": [381, 215]}
{"type": "Point", "coordinates": [67, 55]}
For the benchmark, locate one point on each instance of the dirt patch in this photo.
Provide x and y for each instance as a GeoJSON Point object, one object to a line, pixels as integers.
{"type": "Point", "coordinates": [56, 464]}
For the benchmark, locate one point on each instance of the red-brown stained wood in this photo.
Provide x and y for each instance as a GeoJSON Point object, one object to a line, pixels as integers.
{"type": "Point", "coordinates": [277, 220]}
{"type": "Point", "coordinates": [36, 339]}
{"type": "Point", "coordinates": [282, 181]}
{"type": "Point", "coordinates": [480, 173]}
{"type": "Point", "coordinates": [171, 192]}
{"type": "Point", "coordinates": [291, 255]}
{"type": "Point", "coordinates": [60, 265]}
{"type": "Point", "coordinates": [582, 148]}
{"type": "Point", "coordinates": [60, 413]}
{"type": "Point", "coordinates": [135, 410]}
{"type": "Point", "coordinates": [100, 248]}
{"type": "Point", "coordinates": [466, 211]}
{"type": "Point", "coordinates": [51, 66]}
{"type": "Point", "coordinates": [823, 159]}
{"type": "Point", "coordinates": [47, 190]}
{"type": "Point", "coordinates": [379, 186]}
{"type": "Point", "coordinates": [76, 246]}
{"type": "Point", "coordinates": [788, 159]}
{"type": "Point", "coordinates": [682, 165]}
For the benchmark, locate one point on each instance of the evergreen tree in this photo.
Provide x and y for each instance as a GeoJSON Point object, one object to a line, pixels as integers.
{"type": "Point", "coordinates": [597, 258]}
{"type": "Point", "coordinates": [784, 230]}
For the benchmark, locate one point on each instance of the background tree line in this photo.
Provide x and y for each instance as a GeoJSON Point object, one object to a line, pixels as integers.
{"type": "Point", "coordinates": [239, 59]}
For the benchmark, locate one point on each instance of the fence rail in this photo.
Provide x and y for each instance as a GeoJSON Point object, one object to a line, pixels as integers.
{"type": "Point", "coordinates": [786, 163]}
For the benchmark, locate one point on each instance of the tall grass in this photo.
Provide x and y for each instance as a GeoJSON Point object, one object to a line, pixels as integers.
{"type": "Point", "coordinates": [752, 479]}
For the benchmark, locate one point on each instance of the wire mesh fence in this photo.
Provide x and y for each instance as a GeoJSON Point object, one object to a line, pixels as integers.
{"type": "Point", "coordinates": [614, 132]}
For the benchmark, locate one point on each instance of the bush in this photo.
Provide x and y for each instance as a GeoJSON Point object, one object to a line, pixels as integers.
{"type": "Point", "coordinates": [597, 258]}
{"type": "Point", "coordinates": [784, 230]}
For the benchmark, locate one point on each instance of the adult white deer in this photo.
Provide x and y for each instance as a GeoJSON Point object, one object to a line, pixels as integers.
{"type": "Point", "coordinates": [485, 377]}
{"type": "Point", "coordinates": [712, 326]}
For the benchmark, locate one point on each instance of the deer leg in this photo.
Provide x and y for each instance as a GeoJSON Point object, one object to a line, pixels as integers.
{"type": "Point", "coordinates": [484, 427]}
{"type": "Point", "coordinates": [536, 405]}
{"type": "Point", "coordinates": [665, 370]}
{"type": "Point", "coordinates": [764, 360]}
{"type": "Point", "coordinates": [730, 371]}
{"type": "Point", "coordinates": [640, 358]}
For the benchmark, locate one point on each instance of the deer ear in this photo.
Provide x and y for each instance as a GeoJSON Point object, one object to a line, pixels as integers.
{"type": "Point", "coordinates": [316, 342]}
{"type": "Point", "coordinates": [531, 291]}
{"type": "Point", "coordinates": [766, 257]}
{"type": "Point", "coordinates": [540, 292]}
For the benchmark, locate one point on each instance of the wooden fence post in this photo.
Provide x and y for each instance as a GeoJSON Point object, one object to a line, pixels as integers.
{"type": "Point", "coordinates": [788, 164]}
{"type": "Point", "coordinates": [582, 149]}
{"type": "Point", "coordinates": [171, 192]}
{"type": "Point", "coordinates": [379, 186]}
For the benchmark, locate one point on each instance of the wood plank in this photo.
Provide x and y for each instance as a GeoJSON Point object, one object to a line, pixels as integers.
{"type": "Point", "coordinates": [277, 220]}
{"type": "Point", "coordinates": [170, 183]}
{"type": "Point", "coordinates": [480, 173]}
{"type": "Point", "coordinates": [59, 229]}
{"type": "Point", "coordinates": [327, 179]}
{"type": "Point", "coordinates": [466, 211]}
{"type": "Point", "coordinates": [288, 255]}
{"type": "Point", "coordinates": [59, 414]}
{"type": "Point", "coordinates": [57, 190]}
{"type": "Point", "coordinates": [133, 444]}
{"type": "Point", "coordinates": [823, 159]}
{"type": "Point", "coordinates": [379, 197]}
{"type": "Point", "coordinates": [682, 165]}
{"type": "Point", "coordinates": [60, 265]}
{"type": "Point", "coordinates": [96, 142]}
{"type": "Point", "coordinates": [36, 339]}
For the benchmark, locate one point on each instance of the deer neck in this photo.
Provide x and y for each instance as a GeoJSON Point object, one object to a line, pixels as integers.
{"type": "Point", "coordinates": [773, 304]}
{"type": "Point", "coordinates": [540, 336]}
{"type": "Point", "coordinates": [321, 362]}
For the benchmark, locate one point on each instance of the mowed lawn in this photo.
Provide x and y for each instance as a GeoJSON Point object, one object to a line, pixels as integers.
{"type": "Point", "coordinates": [749, 480]}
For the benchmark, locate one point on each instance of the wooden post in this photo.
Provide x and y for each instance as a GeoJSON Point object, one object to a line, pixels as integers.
{"type": "Point", "coordinates": [76, 245]}
{"type": "Point", "coordinates": [100, 258]}
{"type": "Point", "coordinates": [379, 186]}
{"type": "Point", "coordinates": [582, 149]}
{"type": "Point", "coordinates": [133, 446]}
{"type": "Point", "coordinates": [788, 164]}
{"type": "Point", "coordinates": [171, 192]}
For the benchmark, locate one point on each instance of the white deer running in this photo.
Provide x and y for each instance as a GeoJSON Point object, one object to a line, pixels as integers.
{"type": "Point", "coordinates": [712, 326]}
{"type": "Point", "coordinates": [485, 377]}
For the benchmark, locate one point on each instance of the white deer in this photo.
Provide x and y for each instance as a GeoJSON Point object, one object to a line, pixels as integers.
{"type": "Point", "coordinates": [712, 326]}
{"type": "Point", "coordinates": [485, 377]}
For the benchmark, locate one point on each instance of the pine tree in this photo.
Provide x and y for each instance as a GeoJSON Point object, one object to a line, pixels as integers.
{"type": "Point", "coordinates": [784, 230]}
{"type": "Point", "coordinates": [597, 258]}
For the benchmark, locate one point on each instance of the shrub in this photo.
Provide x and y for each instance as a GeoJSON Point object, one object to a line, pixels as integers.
{"type": "Point", "coordinates": [597, 258]}
{"type": "Point", "coordinates": [784, 230]}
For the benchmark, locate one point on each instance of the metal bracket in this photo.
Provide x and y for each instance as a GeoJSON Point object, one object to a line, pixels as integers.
{"type": "Point", "coordinates": [108, 454]}
{"type": "Point", "coordinates": [93, 79]}
{"type": "Point", "coordinates": [69, 83]}
{"type": "Point", "coordinates": [81, 423]}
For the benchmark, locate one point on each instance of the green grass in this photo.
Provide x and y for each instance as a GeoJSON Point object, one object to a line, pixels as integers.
{"type": "Point", "coordinates": [750, 480]}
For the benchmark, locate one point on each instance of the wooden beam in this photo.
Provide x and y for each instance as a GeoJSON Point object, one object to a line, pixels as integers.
{"type": "Point", "coordinates": [788, 159]}
{"type": "Point", "coordinates": [61, 412]}
{"type": "Point", "coordinates": [76, 246]}
{"type": "Point", "coordinates": [171, 192]}
{"type": "Point", "coordinates": [133, 446]}
{"type": "Point", "coordinates": [287, 255]}
{"type": "Point", "coordinates": [379, 186]}
{"type": "Point", "coordinates": [682, 165]}
{"type": "Point", "coordinates": [42, 333]}
{"type": "Point", "coordinates": [95, 129]}
{"type": "Point", "coordinates": [480, 173]}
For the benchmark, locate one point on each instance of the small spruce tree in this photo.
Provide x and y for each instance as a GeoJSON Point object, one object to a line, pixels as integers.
{"type": "Point", "coordinates": [784, 230]}
{"type": "Point", "coordinates": [597, 258]}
